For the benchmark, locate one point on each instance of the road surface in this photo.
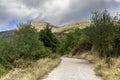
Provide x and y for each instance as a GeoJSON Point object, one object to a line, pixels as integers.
{"type": "Point", "coordinates": [73, 69]}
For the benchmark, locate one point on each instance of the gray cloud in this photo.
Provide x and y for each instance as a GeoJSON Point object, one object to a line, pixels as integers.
{"type": "Point", "coordinates": [55, 11]}
{"type": "Point", "coordinates": [81, 10]}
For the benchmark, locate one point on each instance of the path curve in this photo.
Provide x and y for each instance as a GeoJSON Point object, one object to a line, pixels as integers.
{"type": "Point", "coordinates": [73, 69]}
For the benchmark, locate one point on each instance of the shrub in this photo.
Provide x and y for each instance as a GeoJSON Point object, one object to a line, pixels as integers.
{"type": "Point", "coordinates": [27, 42]}
{"type": "Point", "coordinates": [7, 53]}
{"type": "Point", "coordinates": [49, 39]}
{"type": "Point", "coordinates": [102, 32]}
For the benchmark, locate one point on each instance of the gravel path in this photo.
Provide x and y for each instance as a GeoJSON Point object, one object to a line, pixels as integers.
{"type": "Point", "coordinates": [73, 69]}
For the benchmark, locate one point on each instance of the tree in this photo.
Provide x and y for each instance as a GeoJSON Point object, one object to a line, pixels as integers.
{"type": "Point", "coordinates": [48, 38]}
{"type": "Point", "coordinates": [72, 40]}
{"type": "Point", "coordinates": [27, 42]}
{"type": "Point", "coordinates": [102, 32]}
{"type": "Point", "coordinates": [116, 44]}
{"type": "Point", "coordinates": [7, 53]}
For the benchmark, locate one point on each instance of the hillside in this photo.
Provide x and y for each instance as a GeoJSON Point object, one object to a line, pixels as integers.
{"type": "Point", "coordinates": [55, 29]}
{"type": "Point", "coordinates": [59, 29]}
{"type": "Point", "coordinates": [7, 34]}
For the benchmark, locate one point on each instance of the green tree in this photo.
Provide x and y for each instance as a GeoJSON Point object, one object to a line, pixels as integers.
{"type": "Point", "coordinates": [73, 37]}
{"type": "Point", "coordinates": [27, 42]}
{"type": "Point", "coordinates": [72, 40]}
{"type": "Point", "coordinates": [102, 32]}
{"type": "Point", "coordinates": [7, 53]}
{"type": "Point", "coordinates": [116, 44]}
{"type": "Point", "coordinates": [49, 39]}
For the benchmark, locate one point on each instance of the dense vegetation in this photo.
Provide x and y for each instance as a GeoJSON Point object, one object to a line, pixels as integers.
{"type": "Point", "coordinates": [102, 37]}
{"type": "Point", "coordinates": [26, 45]}
{"type": "Point", "coordinates": [49, 39]}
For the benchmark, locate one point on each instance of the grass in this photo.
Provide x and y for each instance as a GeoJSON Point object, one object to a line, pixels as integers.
{"type": "Point", "coordinates": [107, 71]}
{"type": "Point", "coordinates": [2, 70]}
{"type": "Point", "coordinates": [34, 72]}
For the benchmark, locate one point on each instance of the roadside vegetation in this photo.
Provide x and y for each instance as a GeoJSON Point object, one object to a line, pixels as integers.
{"type": "Point", "coordinates": [102, 42]}
{"type": "Point", "coordinates": [101, 67]}
{"type": "Point", "coordinates": [34, 72]}
{"type": "Point", "coordinates": [27, 47]}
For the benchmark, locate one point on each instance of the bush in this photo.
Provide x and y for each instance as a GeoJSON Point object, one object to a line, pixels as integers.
{"type": "Point", "coordinates": [25, 47]}
{"type": "Point", "coordinates": [27, 42]}
{"type": "Point", "coordinates": [76, 41]}
{"type": "Point", "coordinates": [49, 39]}
{"type": "Point", "coordinates": [72, 39]}
{"type": "Point", "coordinates": [101, 33]}
{"type": "Point", "coordinates": [7, 53]}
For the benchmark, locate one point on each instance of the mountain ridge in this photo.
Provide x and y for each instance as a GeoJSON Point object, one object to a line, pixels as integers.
{"type": "Point", "coordinates": [55, 29]}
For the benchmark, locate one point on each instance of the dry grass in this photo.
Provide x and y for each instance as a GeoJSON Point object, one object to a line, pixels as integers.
{"type": "Point", "coordinates": [111, 72]}
{"type": "Point", "coordinates": [41, 25]}
{"type": "Point", "coordinates": [34, 72]}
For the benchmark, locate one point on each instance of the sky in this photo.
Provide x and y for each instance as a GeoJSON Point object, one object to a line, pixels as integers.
{"type": "Point", "coordinates": [57, 12]}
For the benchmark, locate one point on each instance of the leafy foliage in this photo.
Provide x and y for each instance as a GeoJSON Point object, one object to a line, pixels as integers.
{"type": "Point", "coordinates": [27, 42]}
{"type": "Point", "coordinates": [75, 42]}
{"type": "Point", "coordinates": [102, 33]}
{"type": "Point", "coordinates": [102, 37]}
{"type": "Point", "coordinates": [49, 39]}
{"type": "Point", "coordinates": [116, 40]}
{"type": "Point", "coordinates": [24, 48]}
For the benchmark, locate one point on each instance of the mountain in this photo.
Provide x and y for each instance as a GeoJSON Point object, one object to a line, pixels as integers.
{"type": "Point", "coordinates": [7, 34]}
{"type": "Point", "coordinates": [55, 29]}
{"type": "Point", "coordinates": [41, 25]}
{"type": "Point", "coordinates": [58, 29]}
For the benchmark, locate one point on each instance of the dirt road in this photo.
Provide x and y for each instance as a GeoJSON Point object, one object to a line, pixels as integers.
{"type": "Point", "coordinates": [73, 69]}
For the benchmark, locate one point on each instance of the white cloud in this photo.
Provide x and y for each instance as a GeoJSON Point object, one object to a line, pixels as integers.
{"type": "Point", "coordinates": [117, 0]}
{"type": "Point", "coordinates": [55, 11]}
